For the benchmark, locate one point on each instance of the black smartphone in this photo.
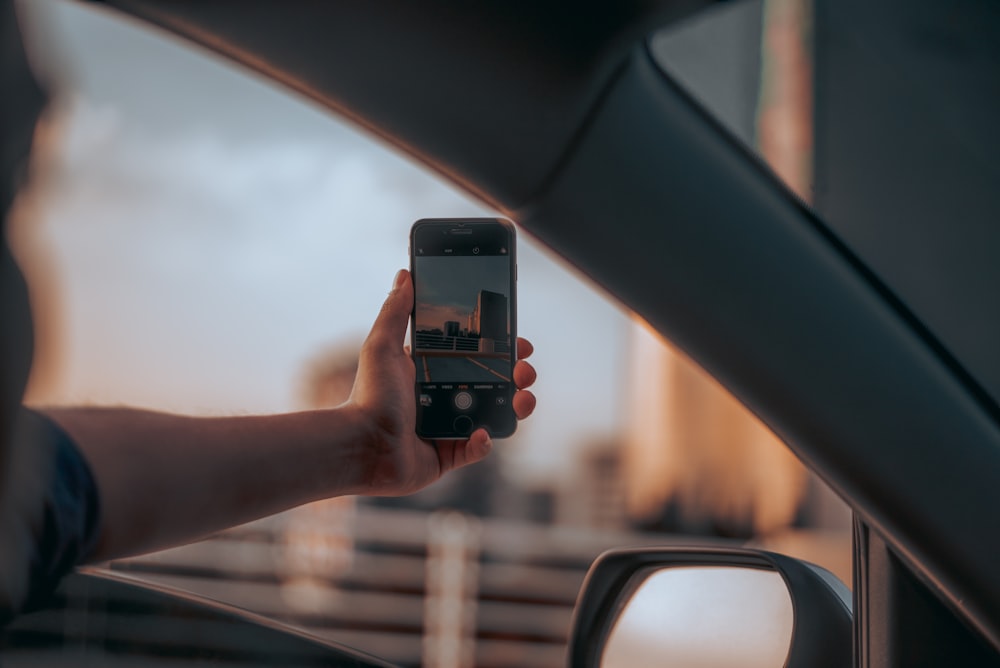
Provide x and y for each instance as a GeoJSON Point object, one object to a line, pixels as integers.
{"type": "Point", "coordinates": [464, 326]}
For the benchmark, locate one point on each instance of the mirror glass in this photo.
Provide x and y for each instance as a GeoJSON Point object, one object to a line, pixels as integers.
{"type": "Point", "coordinates": [703, 617]}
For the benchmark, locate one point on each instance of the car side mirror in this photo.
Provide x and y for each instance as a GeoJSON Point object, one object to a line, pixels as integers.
{"type": "Point", "coordinates": [710, 607]}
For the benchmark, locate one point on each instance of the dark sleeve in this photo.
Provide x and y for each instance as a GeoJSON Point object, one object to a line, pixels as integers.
{"type": "Point", "coordinates": [60, 524]}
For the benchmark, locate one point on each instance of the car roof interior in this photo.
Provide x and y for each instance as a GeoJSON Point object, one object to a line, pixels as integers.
{"type": "Point", "coordinates": [880, 376]}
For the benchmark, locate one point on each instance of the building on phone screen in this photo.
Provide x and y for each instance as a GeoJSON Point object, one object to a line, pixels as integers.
{"type": "Point", "coordinates": [489, 319]}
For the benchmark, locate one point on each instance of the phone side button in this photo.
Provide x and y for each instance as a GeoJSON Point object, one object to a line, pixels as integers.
{"type": "Point", "coordinates": [463, 425]}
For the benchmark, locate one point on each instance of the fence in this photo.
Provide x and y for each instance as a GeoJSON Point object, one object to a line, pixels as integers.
{"type": "Point", "coordinates": [425, 341]}
{"type": "Point", "coordinates": [510, 606]}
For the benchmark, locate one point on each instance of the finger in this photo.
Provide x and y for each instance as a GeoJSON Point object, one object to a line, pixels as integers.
{"type": "Point", "coordinates": [524, 375]}
{"type": "Point", "coordinates": [523, 403]}
{"type": "Point", "coordinates": [477, 447]}
{"type": "Point", "coordinates": [390, 325]}
{"type": "Point", "coordinates": [524, 348]}
{"type": "Point", "coordinates": [446, 451]}
{"type": "Point", "coordinates": [455, 454]}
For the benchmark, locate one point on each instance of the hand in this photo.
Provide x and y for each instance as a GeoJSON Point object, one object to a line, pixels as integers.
{"type": "Point", "coordinates": [397, 462]}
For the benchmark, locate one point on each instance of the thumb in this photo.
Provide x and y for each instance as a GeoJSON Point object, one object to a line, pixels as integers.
{"type": "Point", "coordinates": [478, 446]}
{"type": "Point", "coordinates": [456, 454]}
{"type": "Point", "coordinates": [390, 325]}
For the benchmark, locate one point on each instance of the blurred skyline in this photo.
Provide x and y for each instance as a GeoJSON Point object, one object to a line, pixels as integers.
{"type": "Point", "coordinates": [201, 235]}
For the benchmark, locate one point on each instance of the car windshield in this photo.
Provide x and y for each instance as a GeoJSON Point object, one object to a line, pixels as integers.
{"type": "Point", "coordinates": [200, 241]}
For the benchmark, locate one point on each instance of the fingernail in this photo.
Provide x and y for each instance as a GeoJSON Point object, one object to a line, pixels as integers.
{"type": "Point", "coordinates": [397, 282]}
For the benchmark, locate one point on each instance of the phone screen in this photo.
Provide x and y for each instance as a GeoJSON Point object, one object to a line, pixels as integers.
{"type": "Point", "coordinates": [463, 329]}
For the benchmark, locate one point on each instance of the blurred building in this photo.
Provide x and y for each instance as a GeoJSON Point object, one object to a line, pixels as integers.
{"type": "Point", "coordinates": [317, 540]}
{"type": "Point", "coordinates": [696, 461]}
{"type": "Point", "coordinates": [594, 494]}
{"type": "Point", "coordinates": [29, 242]}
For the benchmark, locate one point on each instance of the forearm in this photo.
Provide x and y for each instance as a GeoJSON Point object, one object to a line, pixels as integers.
{"type": "Point", "coordinates": [167, 479]}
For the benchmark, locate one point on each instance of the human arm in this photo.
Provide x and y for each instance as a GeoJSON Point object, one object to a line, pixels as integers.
{"type": "Point", "coordinates": [167, 479]}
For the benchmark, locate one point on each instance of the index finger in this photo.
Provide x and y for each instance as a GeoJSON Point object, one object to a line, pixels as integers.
{"type": "Point", "coordinates": [524, 348]}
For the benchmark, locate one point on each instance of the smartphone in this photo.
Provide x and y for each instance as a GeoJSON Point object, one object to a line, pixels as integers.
{"type": "Point", "coordinates": [464, 326]}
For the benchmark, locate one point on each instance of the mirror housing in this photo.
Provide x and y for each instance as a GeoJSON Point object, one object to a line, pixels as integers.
{"type": "Point", "coordinates": [822, 616]}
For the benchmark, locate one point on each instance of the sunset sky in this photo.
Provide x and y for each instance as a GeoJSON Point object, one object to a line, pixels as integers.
{"type": "Point", "coordinates": [447, 287]}
{"type": "Point", "coordinates": [202, 236]}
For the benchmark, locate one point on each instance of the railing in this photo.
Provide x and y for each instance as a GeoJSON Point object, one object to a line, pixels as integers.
{"type": "Point", "coordinates": [518, 602]}
{"type": "Point", "coordinates": [425, 341]}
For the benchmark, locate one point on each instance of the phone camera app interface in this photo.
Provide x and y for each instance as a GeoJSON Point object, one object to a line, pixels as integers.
{"type": "Point", "coordinates": [462, 328]}
{"type": "Point", "coordinates": [463, 348]}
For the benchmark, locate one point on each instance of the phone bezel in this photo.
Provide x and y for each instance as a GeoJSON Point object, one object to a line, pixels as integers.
{"type": "Point", "coordinates": [445, 225]}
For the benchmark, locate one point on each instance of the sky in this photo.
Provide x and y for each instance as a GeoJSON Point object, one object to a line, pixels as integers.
{"type": "Point", "coordinates": [205, 235]}
{"type": "Point", "coordinates": [441, 298]}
